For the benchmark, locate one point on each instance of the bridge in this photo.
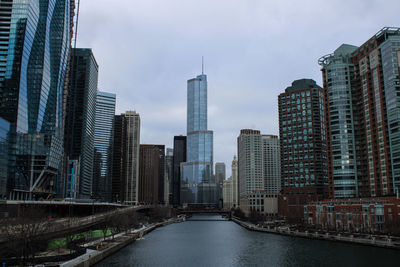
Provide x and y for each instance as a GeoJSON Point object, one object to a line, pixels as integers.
{"type": "Point", "coordinates": [205, 211]}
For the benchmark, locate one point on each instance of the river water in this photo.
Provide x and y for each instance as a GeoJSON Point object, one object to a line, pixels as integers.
{"type": "Point", "coordinates": [224, 243]}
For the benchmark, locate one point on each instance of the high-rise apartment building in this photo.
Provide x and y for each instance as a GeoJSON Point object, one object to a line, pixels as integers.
{"type": "Point", "coordinates": [362, 86]}
{"type": "Point", "coordinates": [303, 147]}
{"type": "Point", "coordinates": [80, 121]}
{"type": "Point", "coordinates": [125, 171]}
{"type": "Point", "coordinates": [151, 174]}
{"type": "Point", "coordinates": [271, 164]}
{"type": "Point", "coordinates": [255, 170]}
{"type": "Point", "coordinates": [179, 157]}
{"type": "Point", "coordinates": [34, 51]}
{"type": "Point", "coordinates": [197, 183]}
{"type": "Point", "coordinates": [103, 144]}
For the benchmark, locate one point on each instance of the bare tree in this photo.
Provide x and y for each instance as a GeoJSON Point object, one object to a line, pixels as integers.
{"type": "Point", "coordinates": [24, 236]}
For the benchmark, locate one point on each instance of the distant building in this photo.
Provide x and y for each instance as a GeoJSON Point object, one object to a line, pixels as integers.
{"type": "Point", "coordinates": [220, 175]}
{"type": "Point", "coordinates": [254, 171]}
{"type": "Point", "coordinates": [220, 172]}
{"type": "Point", "coordinates": [80, 120]}
{"type": "Point", "coordinates": [103, 145]}
{"type": "Point", "coordinates": [227, 193]}
{"type": "Point", "coordinates": [125, 177]}
{"type": "Point", "coordinates": [4, 147]}
{"type": "Point", "coordinates": [151, 174]}
{"type": "Point", "coordinates": [198, 186]}
{"type": "Point", "coordinates": [362, 97]}
{"type": "Point", "coordinates": [178, 158]}
{"type": "Point", "coordinates": [235, 183]}
{"type": "Point", "coordinates": [230, 188]}
{"type": "Point", "coordinates": [169, 174]}
{"type": "Point", "coordinates": [303, 147]}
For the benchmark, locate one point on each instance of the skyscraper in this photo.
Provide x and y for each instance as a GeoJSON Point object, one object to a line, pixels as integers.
{"type": "Point", "coordinates": [303, 147]}
{"type": "Point", "coordinates": [35, 53]}
{"type": "Point", "coordinates": [197, 183]}
{"type": "Point", "coordinates": [271, 164]}
{"type": "Point", "coordinates": [250, 167]}
{"type": "Point", "coordinates": [257, 172]}
{"type": "Point", "coordinates": [179, 157]}
{"type": "Point", "coordinates": [103, 142]}
{"type": "Point", "coordinates": [362, 116]}
{"type": "Point", "coordinates": [80, 120]}
{"type": "Point", "coordinates": [125, 172]}
{"type": "Point", "coordinates": [151, 174]}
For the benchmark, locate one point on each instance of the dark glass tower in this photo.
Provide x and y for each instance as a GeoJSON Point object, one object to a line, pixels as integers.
{"type": "Point", "coordinates": [179, 157]}
{"type": "Point", "coordinates": [197, 181]}
{"type": "Point", "coordinates": [35, 51]}
{"type": "Point", "coordinates": [80, 119]}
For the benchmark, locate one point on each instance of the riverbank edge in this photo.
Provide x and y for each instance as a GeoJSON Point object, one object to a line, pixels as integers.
{"type": "Point", "coordinates": [320, 236]}
{"type": "Point", "coordinates": [98, 256]}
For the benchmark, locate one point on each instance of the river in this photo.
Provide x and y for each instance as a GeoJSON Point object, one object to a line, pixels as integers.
{"type": "Point", "coordinates": [224, 243]}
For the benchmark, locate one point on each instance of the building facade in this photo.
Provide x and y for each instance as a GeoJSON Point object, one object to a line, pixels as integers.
{"type": "Point", "coordinates": [362, 108]}
{"type": "Point", "coordinates": [4, 147]}
{"type": "Point", "coordinates": [169, 174]}
{"type": "Point", "coordinates": [235, 184]}
{"type": "Point", "coordinates": [255, 171]}
{"type": "Point", "coordinates": [365, 215]}
{"type": "Point", "coordinates": [35, 53]}
{"type": "Point", "coordinates": [125, 171]}
{"type": "Point", "coordinates": [179, 157]}
{"type": "Point", "coordinates": [80, 118]}
{"type": "Point", "coordinates": [151, 174]}
{"type": "Point", "coordinates": [220, 175]}
{"type": "Point", "coordinates": [197, 182]}
{"type": "Point", "coordinates": [103, 145]}
{"type": "Point", "coordinates": [303, 147]}
{"type": "Point", "coordinates": [227, 194]}
{"type": "Point", "coordinates": [271, 164]}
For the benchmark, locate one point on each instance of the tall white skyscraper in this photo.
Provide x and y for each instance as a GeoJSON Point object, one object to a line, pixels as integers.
{"type": "Point", "coordinates": [258, 172]}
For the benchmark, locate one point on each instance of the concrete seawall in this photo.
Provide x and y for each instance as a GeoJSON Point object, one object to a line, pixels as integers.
{"type": "Point", "coordinates": [369, 240]}
{"type": "Point", "coordinates": [95, 256]}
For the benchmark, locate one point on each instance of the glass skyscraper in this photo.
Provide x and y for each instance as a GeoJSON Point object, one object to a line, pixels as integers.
{"type": "Point", "coordinates": [80, 118]}
{"type": "Point", "coordinates": [197, 181]}
{"type": "Point", "coordinates": [34, 55]}
{"type": "Point", "coordinates": [103, 140]}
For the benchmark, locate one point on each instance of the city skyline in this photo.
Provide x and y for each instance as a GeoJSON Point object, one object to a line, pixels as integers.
{"type": "Point", "coordinates": [248, 48]}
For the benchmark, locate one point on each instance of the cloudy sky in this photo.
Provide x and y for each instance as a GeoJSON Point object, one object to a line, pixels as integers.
{"type": "Point", "coordinates": [253, 50]}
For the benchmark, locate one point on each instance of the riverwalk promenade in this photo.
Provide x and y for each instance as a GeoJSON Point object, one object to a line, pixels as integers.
{"type": "Point", "coordinates": [384, 241]}
{"type": "Point", "coordinates": [99, 249]}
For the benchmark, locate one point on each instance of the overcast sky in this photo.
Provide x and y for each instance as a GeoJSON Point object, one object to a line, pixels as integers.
{"type": "Point", "coordinates": [253, 50]}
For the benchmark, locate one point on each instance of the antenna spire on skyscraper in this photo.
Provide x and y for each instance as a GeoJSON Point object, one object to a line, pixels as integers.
{"type": "Point", "coordinates": [202, 65]}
